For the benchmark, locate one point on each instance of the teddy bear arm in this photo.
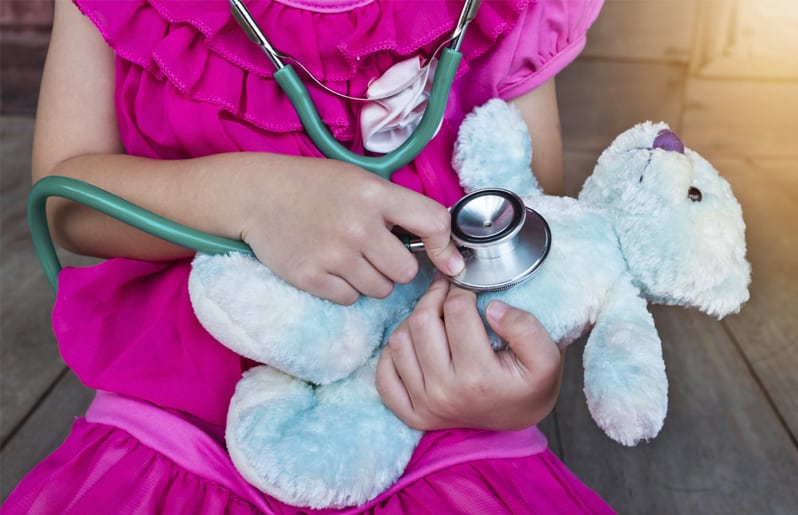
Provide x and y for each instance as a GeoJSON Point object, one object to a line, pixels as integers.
{"type": "Point", "coordinates": [625, 383]}
{"type": "Point", "coordinates": [253, 312]}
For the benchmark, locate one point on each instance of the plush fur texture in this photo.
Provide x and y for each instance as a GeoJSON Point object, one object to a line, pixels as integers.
{"type": "Point", "coordinates": [653, 223]}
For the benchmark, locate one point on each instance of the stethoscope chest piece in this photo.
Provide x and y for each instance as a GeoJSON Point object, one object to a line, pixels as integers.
{"type": "Point", "coordinates": [503, 241]}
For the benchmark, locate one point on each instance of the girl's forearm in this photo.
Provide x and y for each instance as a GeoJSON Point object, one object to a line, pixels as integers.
{"type": "Point", "coordinates": [202, 193]}
{"type": "Point", "coordinates": [540, 111]}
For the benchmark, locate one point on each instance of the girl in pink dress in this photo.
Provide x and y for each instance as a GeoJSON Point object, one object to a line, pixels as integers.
{"type": "Point", "coordinates": [166, 103]}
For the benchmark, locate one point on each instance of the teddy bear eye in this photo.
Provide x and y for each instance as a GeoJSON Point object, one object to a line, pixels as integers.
{"type": "Point", "coordinates": [694, 194]}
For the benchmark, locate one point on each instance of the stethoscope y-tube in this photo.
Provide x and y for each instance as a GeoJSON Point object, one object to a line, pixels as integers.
{"type": "Point", "coordinates": [386, 164]}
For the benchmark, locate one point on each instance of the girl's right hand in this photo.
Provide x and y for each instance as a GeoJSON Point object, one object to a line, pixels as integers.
{"type": "Point", "coordinates": [326, 227]}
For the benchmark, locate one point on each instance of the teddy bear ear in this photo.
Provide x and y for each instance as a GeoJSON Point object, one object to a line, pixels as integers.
{"type": "Point", "coordinates": [494, 150]}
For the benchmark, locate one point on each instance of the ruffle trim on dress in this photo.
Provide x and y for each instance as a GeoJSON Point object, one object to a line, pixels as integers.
{"type": "Point", "coordinates": [200, 49]}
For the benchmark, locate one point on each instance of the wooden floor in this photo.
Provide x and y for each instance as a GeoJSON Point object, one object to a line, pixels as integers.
{"type": "Point", "coordinates": [730, 442]}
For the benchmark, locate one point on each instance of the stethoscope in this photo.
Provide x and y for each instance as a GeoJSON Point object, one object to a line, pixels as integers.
{"type": "Point", "coordinates": [502, 241]}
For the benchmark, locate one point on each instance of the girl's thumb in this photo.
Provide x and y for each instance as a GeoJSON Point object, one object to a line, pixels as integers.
{"type": "Point", "coordinates": [524, 333]}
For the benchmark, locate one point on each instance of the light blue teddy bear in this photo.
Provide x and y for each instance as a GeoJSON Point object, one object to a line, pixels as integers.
{"type": "Point", "coordinates": [653, 223]}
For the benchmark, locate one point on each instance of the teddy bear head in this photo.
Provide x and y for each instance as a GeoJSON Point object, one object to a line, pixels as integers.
{"type": "Point", "coordinates": [678, 223]}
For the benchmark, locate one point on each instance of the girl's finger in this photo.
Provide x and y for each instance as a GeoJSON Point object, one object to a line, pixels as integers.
{"type": "Point", "coordinates": [431, 222]}
{"type": "Point", "coordinates": [405, 362]}
{"type": "Point", "coordinates": [391, 258]}
{"type": "Point", "coordinates": [526, 336]}
{"type": "Point", "coordinates": [429, 332]}
{"type": "Point", "coordinates": [433, 299]}
{"type": "Point", "coordinates": [365, 278]}
{"type": "Point", "coordinates": [389, 385]}
{"type": "Point", "coordinates": [468, 340]}
{"type": "Point", "coordinates": [328, 286]}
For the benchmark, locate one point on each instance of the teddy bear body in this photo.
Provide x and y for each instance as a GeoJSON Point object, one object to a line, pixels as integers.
{"type": "Point", "coordinates": [584, 250]}
{"type": "Point", "coordinates": [625, 381]}
{"type": "Point", "coordinates": [654, 223]}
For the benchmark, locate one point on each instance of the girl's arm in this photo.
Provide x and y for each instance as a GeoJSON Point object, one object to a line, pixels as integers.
{"type": "Point", "coordinates": [539, 111]}
{"type": "Point", "coordinates": [322, 225]}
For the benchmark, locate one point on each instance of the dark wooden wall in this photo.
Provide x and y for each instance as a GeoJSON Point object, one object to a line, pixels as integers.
{"type": "Point", "coordinates": [24, 35]}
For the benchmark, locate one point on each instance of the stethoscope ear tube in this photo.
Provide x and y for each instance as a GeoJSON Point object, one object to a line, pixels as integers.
{"type": "Point", "coordinates": [116, 207]}
{"type": "Point", "coordinates": [294, 88]}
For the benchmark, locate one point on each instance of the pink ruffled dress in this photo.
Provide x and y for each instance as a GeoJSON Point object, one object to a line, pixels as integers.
{"type": "Point", "coordinates": [189, 83]}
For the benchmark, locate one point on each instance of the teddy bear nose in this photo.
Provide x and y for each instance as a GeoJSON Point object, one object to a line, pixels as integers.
{"type": "Point", "coordinates": [668, 140]}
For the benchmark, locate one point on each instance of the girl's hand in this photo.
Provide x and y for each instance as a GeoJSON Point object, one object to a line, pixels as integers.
{"type": "Point", "coordinates": [439, 370]}
{"type": "Point", "coordinates": [325, 227]}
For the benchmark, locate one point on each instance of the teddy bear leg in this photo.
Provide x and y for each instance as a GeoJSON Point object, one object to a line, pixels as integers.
{"type": "Point", "coordinates": [324, 446]}
{"type": "Point", "coordinates": [625, 383]}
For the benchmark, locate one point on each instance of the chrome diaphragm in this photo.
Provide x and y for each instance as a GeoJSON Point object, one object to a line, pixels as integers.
{"type": "Point", "coordinates": [502, 241]}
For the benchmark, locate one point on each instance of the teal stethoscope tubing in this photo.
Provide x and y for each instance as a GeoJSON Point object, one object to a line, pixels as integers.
{"type": "Point", "coordinates": [386, 164]}
{"type": "Point", "coordinates": [116, 207]}
{"type": "Point", "coordinates": [140, 218]}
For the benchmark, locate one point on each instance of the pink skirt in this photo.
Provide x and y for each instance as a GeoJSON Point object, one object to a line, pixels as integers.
{"type": "Point", "coordinates": [127, 456]}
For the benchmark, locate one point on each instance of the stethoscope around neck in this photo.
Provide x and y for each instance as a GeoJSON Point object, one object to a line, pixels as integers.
{"type": "Point", "coordinates": [502, 241]}
{"type": "Point", "coordinates": [383, 165]}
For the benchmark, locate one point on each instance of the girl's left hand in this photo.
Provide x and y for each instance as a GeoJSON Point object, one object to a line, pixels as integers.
{"type": "Point", "coordinates": [439, 371]}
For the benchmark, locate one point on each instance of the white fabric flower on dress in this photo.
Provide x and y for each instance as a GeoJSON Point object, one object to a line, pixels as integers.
{"type": "Point", "coordinates": [398, 100]}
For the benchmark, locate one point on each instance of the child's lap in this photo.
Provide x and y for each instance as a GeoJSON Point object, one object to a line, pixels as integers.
{"type": "Point", "coordinates": [103, 469]}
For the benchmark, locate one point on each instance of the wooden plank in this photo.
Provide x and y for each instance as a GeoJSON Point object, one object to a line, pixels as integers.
{"type": "Point", "coordinates": [26, 13]}
{"type": "Point", "coordinates": [578, 165]}
{"type": "Point", "coordinates": [44, 431]}
{"type": "Point", "coordinates": [722, 450]}
{"type": "Point", "coordinates": [30, 359]}
{"type": "Point", "coordinates": [22, 54]}
{"type": "Point", "coordinates": [655, 30]}
{"type": "Point", "coordinates": [767, 326]}
{"type": "Point", "coordinates": [600, 99]}
{"type": "Point", "coordinates": [742, 118]}
{"type": "Point", "coordinates": [548, 426]}
{"type": "Point", "coordinates": [742, 39]}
